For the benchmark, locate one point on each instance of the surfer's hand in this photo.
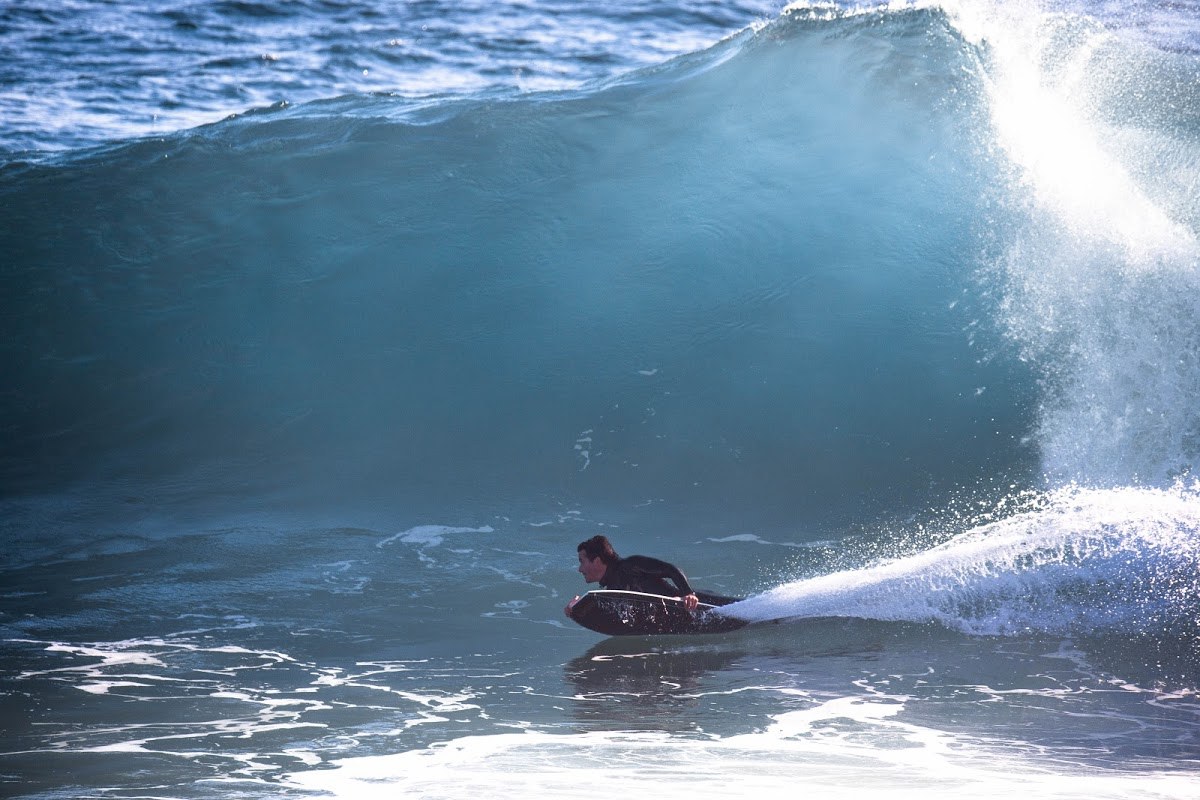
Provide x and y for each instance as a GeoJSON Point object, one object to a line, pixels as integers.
{"type": "Point", "coordinates": [690, 602]}
{"type": "Point", "coordinates": [570, 606]}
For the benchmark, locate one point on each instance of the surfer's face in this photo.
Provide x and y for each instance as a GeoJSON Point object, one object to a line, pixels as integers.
{"type": "Point", "coordinates": [592, 569]}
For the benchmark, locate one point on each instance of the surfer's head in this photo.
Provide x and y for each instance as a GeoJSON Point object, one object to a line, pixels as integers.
{"type": "Point", "coordinates": [595, 555]}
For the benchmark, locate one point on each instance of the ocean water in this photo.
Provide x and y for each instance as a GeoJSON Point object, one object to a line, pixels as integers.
{"type": "Point", "coordinates": [329, 329]}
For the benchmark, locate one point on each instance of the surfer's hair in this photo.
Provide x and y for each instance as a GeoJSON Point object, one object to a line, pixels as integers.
{"type": "Point", "coordinates": [599, 547]}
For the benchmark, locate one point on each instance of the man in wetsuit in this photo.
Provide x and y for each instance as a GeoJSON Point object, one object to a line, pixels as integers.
{"type": "Point", "coordinates": [599, 563]}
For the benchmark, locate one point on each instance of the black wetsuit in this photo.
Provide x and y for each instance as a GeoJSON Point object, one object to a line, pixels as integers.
{"type": "Point", "coordinates": [645, 574]}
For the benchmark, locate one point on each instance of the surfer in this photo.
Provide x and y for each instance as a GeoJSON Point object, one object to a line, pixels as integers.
{"type": "Point", "coordinates": [599, 563]}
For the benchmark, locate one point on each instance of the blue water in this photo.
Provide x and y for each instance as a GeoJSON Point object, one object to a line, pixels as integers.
{"type": "Point", "coordinates": [330, 329]}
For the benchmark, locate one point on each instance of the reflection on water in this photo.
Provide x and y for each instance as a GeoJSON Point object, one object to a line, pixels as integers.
{"type": "Point", "coordinates": [716, 683]}
{"type": "Point", "coordinates": [642, 684]}
{"type": "Point", "coordinates": [1030, 693]}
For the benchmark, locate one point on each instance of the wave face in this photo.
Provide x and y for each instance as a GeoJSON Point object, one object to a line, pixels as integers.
{"type": "Point", "coordinates": [746, 279]}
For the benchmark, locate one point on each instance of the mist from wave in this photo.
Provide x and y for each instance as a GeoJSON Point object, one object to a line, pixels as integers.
{"type": "Point", "coordinates": [1100, 282]}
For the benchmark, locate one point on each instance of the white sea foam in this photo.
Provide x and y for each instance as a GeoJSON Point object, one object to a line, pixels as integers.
{"type": "Point", "coordinates": [103, 687]}
{"type": "Point", "coordinates": [845, 747]}
{"type": "Point", "coordinates": [1086, 560]}
{"type": "Point", "coordinates": [752, 538]}
{"type": "Point", "coordinates": [430, 535]}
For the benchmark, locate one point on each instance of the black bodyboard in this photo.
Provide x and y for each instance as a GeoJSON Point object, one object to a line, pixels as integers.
{"type": "Point", "coordinates": [619, 613]}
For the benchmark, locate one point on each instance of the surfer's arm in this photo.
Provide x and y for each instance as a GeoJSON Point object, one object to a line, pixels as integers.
{"type": "Point", "coordinates": [658, 568]}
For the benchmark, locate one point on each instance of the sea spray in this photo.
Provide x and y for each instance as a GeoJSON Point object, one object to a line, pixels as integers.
{"type": "Point", "coordinates": [1098, 283]}
{"type": "Point", "coordinates": [1084, 561]}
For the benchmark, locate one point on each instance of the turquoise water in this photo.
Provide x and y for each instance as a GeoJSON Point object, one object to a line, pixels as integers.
{"type": "Point", "coordinates": [884, 319]}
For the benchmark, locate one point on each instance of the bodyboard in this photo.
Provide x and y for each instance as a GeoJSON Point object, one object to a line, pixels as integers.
{"type": "Point", "coordinates": [615, 612]}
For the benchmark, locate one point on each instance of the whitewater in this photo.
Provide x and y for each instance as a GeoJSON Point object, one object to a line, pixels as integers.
{"type": "Point", "coordinates": [329, 330]}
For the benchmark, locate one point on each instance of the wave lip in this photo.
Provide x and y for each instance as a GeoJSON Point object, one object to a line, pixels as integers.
{"type": "Point", "coordinates": [68, 84]}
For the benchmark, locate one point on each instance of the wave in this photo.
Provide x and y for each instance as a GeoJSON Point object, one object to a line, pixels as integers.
{"type": "Point", "coordinates": [843, 263]}
{"type": "Point", "coordinates": [705, 264]}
